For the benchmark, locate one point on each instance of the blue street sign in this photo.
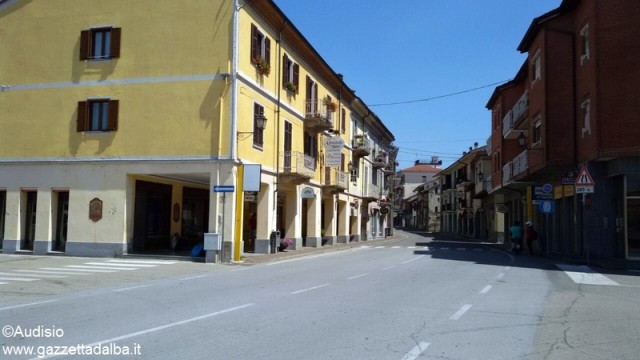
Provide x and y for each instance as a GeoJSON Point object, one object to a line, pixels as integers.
{"type": "Point", "coordinates": [224, 188]}
{"type": "Point", "coordinates": [547, 206]}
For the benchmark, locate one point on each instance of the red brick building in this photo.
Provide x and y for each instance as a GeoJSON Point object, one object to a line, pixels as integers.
{"type": "Point", "coordinates": [574, 103]}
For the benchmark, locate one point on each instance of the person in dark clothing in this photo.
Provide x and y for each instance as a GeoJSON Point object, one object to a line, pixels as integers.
{"type": "Point", "coordinates": [516, 232]}
{"type": "Point", "coordinates": [531, 235]}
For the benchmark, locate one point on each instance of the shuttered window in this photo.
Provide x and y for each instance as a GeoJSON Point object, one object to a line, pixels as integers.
{"type": "Point", "coordinates": [258, 134]}
{"type": "Point", "coordinates": [290, 75]}
{"type": "Point", "coordinates": [100, 43]}
{"type": "Point", "coordinates": [97, 115]}
{"type": "Point", "coordinates": [260, 46]}
{"type": "Point", "coordinates": [343, 121]}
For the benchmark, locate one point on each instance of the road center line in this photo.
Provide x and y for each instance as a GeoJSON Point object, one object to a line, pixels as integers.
{"type": "Point", "coordinates": [416, 351]}
{"type": "Point", "coordinates": [23, 305]}
{"type": "Point", "coordinates": [485, 289]}
{"type": "Point", "coordinates": [412, 260]}
{"type": "Point", "coordinates": [158, 328]}
{"type": "Point", "coordinates": [357, 276]}
{"type": "Point", "coordinates": [131, 288]}
{"type": "Point", "coordinates": [309, 289]}
{"type": "Point", "coordinates": [193, 277]}
{"type": "Point", "coordinates": [460, 312]}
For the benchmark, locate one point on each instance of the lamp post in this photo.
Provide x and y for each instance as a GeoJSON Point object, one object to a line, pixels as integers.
{"type": "Point", "coordinates": [260, 124]}
{"type": "Point", "coordinates": [522, 139]}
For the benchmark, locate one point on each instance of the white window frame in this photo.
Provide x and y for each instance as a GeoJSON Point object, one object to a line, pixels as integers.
{"type": "Point", "coordinates": [586, 111]}
{"type": "Point", "coordinates": [537, 130]}
{"type": "Point", "coordinates": [537, 67]}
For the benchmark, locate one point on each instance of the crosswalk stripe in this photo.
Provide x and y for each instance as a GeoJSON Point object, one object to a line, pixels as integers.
{"type": "Point", "coordinates": [3, 283]}
{"type": "Point", "coordinates": [380, 247]}
{"type": "Point", "coordinates": [6, 278]}
{"type": "Point", "coordinates": [92, 268]}
{"type": "Point", "coordinates": [95, 267]}
{"type": "Point", "coordinates": [75, 271]}
{"type": "Point", "coordinates": [395, 247]}
{"type": "Point", "coordinates": [33, 275]}
{"type": "Point", "coordinates": [582, 274]}
{"type": "Point", "coordinates": [118, 265]}
{"type": "Point", "coordinates": [50, 272]}
{"type": "Point", "coordinates": [156, 262]}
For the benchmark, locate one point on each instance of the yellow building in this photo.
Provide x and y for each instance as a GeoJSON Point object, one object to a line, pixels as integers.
{"type": "Point", "coordinates": [120, 121]}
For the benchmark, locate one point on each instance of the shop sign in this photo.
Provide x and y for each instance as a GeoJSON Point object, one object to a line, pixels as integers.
{"type": "Point", "coordinates": [308, 193]}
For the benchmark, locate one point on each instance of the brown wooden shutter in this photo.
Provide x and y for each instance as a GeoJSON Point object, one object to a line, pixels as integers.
{"type": "Point", "coordinates": [343, 123]}
{"type": "Point", "coordinates": [285, 68]}
{"type": "Point", "coordinates": [81, 122]}
{"type": "Point", "coordinates": [84, 44]}
{"type": "Point", "coordinates": [113, 115]}
{"type": "Point", "coordinates": [116, 33]}
{"type": "Point", "coordinates": [254, 43]}
{"type": "Point", "coordinates": [267, 49]}
{"type": "Point", "coordinates": [296, 77]}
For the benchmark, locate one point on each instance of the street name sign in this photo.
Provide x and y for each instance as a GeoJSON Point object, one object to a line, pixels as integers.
{"type": "Point", "coordinates": [224, 188]}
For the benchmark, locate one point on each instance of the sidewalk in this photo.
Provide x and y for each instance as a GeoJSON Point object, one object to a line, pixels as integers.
{"type": "Point", "coordinates": [253, 259]}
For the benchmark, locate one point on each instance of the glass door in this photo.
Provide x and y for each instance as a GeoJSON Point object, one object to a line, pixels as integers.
{"type": "Point", "coordinates": [633, 227]}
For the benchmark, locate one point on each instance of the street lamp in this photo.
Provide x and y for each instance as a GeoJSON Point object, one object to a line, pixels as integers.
{"type": "Point", "coordinates": [480, 175]}
{"type": "Point", "coordinates": [522, 139]}
{"type": "Point", "coordinates": [260, 125]}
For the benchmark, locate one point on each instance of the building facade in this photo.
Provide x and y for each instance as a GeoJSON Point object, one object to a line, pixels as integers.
{"type": "Point", "coordinates": [144, 132]}
{"type": "Point", "coordinates": [570, 111]}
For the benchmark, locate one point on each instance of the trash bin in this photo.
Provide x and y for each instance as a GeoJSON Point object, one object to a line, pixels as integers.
{"type": "Point", "coordinates": [275, 235]}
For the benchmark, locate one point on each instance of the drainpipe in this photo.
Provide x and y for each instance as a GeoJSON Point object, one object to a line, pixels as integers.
{"type": "Point", "coordinates": [277, 145]}
{"type": "Point", "coordinates": [233, 152]}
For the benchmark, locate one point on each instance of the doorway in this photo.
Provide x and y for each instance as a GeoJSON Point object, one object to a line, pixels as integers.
{"type": "Point", "coordinates": [62, 220]}
{"type": "Point", "coordinates": [152, 217]}
{"type": "Point", "coordinates": [195, 217]}
{"type": "Point", "coordinates": [3, 206]}
{"type": "Point", "coordinates": [30, 220]}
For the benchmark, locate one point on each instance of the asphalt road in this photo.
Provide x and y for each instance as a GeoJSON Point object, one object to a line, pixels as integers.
{"type": "Point", "coordinates": [411, 298]}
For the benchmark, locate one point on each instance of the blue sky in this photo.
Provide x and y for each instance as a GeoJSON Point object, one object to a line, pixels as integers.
{"type": "Point", "coordinates": [392, 51]}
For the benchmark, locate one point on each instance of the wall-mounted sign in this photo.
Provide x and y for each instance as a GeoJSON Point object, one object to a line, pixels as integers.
{"type": "Point", "coordinates": [332, 150]}
{"type": "Point", "coordinates": [95, 210]}
{"type": "Point", "coordinates": [307, 193]}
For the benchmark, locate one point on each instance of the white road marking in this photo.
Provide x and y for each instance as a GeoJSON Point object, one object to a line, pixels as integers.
{"type": "Point", "coordinates": [412, 260]}
{"type": "Point", "coordinates": [416, 351]}
{"type": "Point", "coordinates": [485, 289]}
{"type": "Point", "coordinates": [117, 265]}
{"type": "Point", "coordinates": [507, 268]}
{"type": "Point", "coordinates": [411, 247]}
{"type": "Point", "coordinates": [105, 269]}
{"type": "Point", "coordinates": [131, 288]}
{"type": "Point", "coordinates": [389, 267]}
{"type": "Point", "coordinates": [50, 272]}
{"type": "Point", "coordinates": [582, 274]}
{"type": "Point", "coordinates": [158, 328]}
{"type": "Point", "coordinates": [460, 312]}
{"type": "Point", "coordinates": [309, 289]}
{"type": "Point", "coordinates": [193, 277]}
{"type": "Point", "coordinates": [357, 276]}
{"type": "Point", "coordinates": [81, 270]}
{"type": "Point", "coordinates": [395, 247]}
{"type": "Point", "coordinates": [156, 262]}
{"type": "Point", "coordinates": [34, 275]}
{"type": "Point", "coordinates": [500, 276]}
{"type": "Point", "coordinates": [29, 304]}
{"type": "Point", "coordinates": [6, 278]}
{"type": "Point", "coordinates": [3, 283]}
{"type": "Point", "coordinates": [380, 247]}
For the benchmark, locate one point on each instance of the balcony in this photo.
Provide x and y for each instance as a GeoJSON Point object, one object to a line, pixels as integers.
{"type": "Point", "coordinates": [335, 181]}
{"type": "Point", "coordinates": [361, 146]}
{"type": "Point", "coordinates": [511, 124]}
{"type": "Point", "coordinates": [371, 192]}
{"type": "Point", "coordinates": [507, 175]}
{"type": "Point", "coordinates": [297, 167]}
{"type": "Point", "coordinates": [317, 117]}
{"type": "Point", "coordinates": [520, 164]}
{"type": "Point", "coordinates": [484, 186]}
{"type": "Point", "coordinates": [380, 160]}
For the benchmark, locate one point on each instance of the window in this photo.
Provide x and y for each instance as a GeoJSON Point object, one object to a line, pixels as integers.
{"type": "Point", "coordinates": [258, 134]}
{"type": "Point", "coordinates": [312, 97]}
{"type": "Point", "coordinates": [537, 66]}
{"type": "Point", "coordinates": [260, 46]}
{"type": "Point", "coordinates": [537, 130]}
{"type": "Point", "coordinates": [586, 114]}
{"type": "Point", "coordinates": [310, 145]}
{"type": "Point", "coordinates": [100, 43]}
{"type": "Point", "coordinates": [343, 121]}
{"type": "Point", "coordinates": [97, 115]}
{"type": "Point", "coordinates": [354, 172]}
{"type": "Point", "coordinates": [584, 36]}
{"type": "Point", "coordinates": [290, 75]}
{"type": "Point", "coordinates": [424, 178]}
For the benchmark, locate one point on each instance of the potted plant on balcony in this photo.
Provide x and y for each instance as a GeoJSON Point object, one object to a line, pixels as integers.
{"type": "Point", "coordinates": [262, 65]}
{"type": "Point", "coordinates": [331, 106]}
{"type": "Point", "coordinates": [291, 87]}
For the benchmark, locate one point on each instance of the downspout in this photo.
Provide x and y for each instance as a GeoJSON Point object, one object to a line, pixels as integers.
{"type": "Point", "coordinates": [277, 142]}
{"type": "Point", "coordinates": [234, 84]}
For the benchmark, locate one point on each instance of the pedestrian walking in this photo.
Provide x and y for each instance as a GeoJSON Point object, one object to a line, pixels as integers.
{"type": "Point", "coordinates": [516, 232]}
{"type": "Point", "coordinates": [531, 235]}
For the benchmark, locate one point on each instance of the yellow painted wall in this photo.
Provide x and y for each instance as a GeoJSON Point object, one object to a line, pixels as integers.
{"type": "Point", "coordinates": [162, 40]}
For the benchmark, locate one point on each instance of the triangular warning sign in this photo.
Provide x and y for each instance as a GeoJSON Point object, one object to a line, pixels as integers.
{"type": "Point", "coordinates": [584, 178]}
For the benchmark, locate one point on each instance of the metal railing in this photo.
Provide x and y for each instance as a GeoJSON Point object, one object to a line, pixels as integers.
{"type": "Point", "coordinates": [294, 162]}
{"type": "Point", "coordinates": [318, 110]}
{"type": "Point", "coordinates": [507, 175]}
{"type": "Point", "coordinates": [335, 177]}
{"type": "Point", "coordinates": [360, 142]}
{"type": "Point", "coordinates": [371, 191]}
{"type": "Point", "coordinates": [520, 163]}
